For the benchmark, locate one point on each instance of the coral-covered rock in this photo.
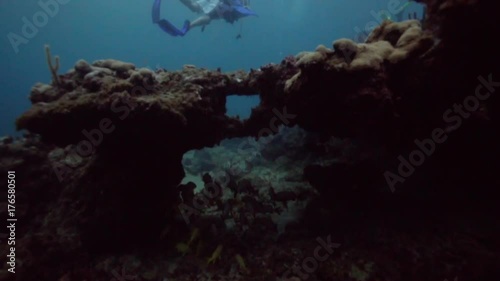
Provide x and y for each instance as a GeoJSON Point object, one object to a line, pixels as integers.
{"type": "Point", "coordinates": [115, 65]}
{"type": "Point", "coordinates": [44, 93]}
{"type": "Point", "coordinates": [83, 67]}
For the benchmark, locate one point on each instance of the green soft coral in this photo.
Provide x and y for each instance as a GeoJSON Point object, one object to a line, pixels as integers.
{"type": "Point", "coordinates": [242, 264]}
{"type": "Point", "coordinates": [215, 255]}
{"type": "Point", "coordinates": [182, 248]}
{"type": "Point", "coordinates": [185, 248]}
{"type": "Point", "coordinates": [361, 274]}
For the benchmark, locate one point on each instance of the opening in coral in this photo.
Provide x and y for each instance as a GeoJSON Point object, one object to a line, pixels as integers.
{"type": "Point", "coordinates": [241, 105]}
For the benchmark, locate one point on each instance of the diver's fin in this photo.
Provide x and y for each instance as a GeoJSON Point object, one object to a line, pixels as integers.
{"type": "Point", "coordinates": [165, 25]}
{"type": "Point", "coordinates": [169, 28]}
{"type": "Point", "coordinates": [186, 27]}
{"type": "Point", "coordinates": [244, 11]}
{"type": "Point", "coordinates": [156, 11]}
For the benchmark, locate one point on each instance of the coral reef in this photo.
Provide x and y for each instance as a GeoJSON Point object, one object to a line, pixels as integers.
{"type": "Point", "coordinates": [104, 193]}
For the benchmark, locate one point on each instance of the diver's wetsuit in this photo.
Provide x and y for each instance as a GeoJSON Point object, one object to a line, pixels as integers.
{"type": "Point", "coordinates": [224, 11]}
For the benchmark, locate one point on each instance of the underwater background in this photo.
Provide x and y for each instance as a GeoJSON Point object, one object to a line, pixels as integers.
{"type": "Point", "coordinates": [371, 151]}
{"type": "Point", "coordinates": [123, 30]}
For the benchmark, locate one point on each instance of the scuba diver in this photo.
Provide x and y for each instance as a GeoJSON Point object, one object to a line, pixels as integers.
{"type": "Point", "coordinates": [229, 10]}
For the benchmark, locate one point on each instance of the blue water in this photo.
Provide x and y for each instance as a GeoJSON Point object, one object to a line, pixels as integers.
{"type": "Point", "coordinates": [123, 29]}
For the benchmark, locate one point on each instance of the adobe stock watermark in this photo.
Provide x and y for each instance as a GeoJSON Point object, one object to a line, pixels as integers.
{"type": "Point", "coordinates": [280, 118]}
{"type": "Point", "coordinates": [453, 116]}
{"type": "Point", "coordinates": [310, 264]}
{"type": "Point", "coordinates": [201, 200]}
{"type": "Point", "coordinates": [394, 7]}
{"type": "Point", "coordinates": [94, 137]}
{"type": "Point", "coordinates": [31, 26]}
